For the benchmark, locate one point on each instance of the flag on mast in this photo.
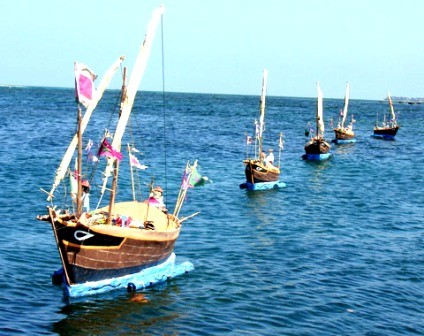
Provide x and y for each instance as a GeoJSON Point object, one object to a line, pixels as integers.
{"type": "Point", "coordinates": [135, 163]}
{"type": "Point", "coordinates": [84, 86]}
{"type": "Point", "coordinates": [108, 151]}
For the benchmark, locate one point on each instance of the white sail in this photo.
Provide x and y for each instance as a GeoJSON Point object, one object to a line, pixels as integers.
{"type": "Point", "coordinates": [392, 110]}
{"type": "Point", "coordinates": [262, 107]}
{"type": "Point", "coordinates": [66, 160]}
{"type": "Point", "coordinates": [134, 82]}
{"type": "Point", "coordinates": [346, 103]}
{"type": "Point", "coordinates": [320, 117]}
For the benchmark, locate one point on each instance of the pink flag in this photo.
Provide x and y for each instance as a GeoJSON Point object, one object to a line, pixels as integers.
{"type": "Point", "coordinates": [107, 150]}
{"type": "Point", "coordinates": [84, 87]}
{"type": "Point", "coordinates": [135, 163]}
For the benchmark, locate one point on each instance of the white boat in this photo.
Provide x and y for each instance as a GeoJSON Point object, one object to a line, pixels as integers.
{"type": "Point", "coordinates": [260, 171]}
{"type": "Point", "coordinates": [387, 129]}
{"type": "Point", "coordinates": [317, 148]}
{"type": "Point", "coordinates": [345, 134]}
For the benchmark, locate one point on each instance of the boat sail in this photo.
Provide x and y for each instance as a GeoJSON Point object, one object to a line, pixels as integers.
{"type": "Point", "coordinates": [124, 244]}
{"type": "Point", "coordinates": [345, 134]}
{"type": "Point", "coordinates": [317, 149]}
{"type": "Point", "coordinates": [260, 171]}
{"type": "Point", "coordinates": [63, 167]}
{"type": "Point", "coordinates": [388, 129]}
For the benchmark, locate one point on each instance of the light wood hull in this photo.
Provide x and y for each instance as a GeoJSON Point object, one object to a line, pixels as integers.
{"type": "Point", "coordinates": [342, 134]}
{"type": "Point", "coordinates": [91, 251]}
{"type": "Point", "coordinates": [256, 172]}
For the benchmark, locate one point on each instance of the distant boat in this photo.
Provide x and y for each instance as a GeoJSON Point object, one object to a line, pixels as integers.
{"type": "Point", "coordinates": [260, 171]}
{"type": "Point", "coordinates": [388, 129]}
{"type": "Point", "coordinates": [344, 134]}
{"type": "Point", "coordinates": [407, 100]}
{"type": "Point", "coordinates": [317, 149]}
{"type": "Point", "coordinates": [125, 243]}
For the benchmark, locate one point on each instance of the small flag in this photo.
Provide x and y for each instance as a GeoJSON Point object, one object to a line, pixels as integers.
{"type": "Point", "coordinates": [249, 140]}
{"type": "Point", "coordinates": [257, 130]}
{"type": "Point", "coordinates": [135, 163]}
{"type": "Point", "coordinates": [84, 86]}
{"type": "Point", "coordinates": [88, 150]}
{"type": "Point", "coordinates": [89, 145]}
{"type": "Point", "coordinates": [107, 150]}
{"type": "Point", "coordinates": [281, 143]}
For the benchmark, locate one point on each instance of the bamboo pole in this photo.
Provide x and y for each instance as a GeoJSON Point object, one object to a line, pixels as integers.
{"type": "Point", "coordinates": [79, 191]}
{"type": "Point", "coordinates": [280, 149]}
{"type": "Point", "coordinates": [132, 171]}
{"type": "Point", "coordinates": [183, 190]}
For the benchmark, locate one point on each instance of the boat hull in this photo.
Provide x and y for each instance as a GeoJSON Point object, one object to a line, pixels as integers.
{"type": "Point", "coordinates": [94, 252]}
{"type": "Point", "coordinates": [385, 132]}
{"type": "Point", "coordinates": [343, 136]}
{"type": "Point", "coordinates": [256, 172]}
{"type": "Point", "coordinates": [317, 147]}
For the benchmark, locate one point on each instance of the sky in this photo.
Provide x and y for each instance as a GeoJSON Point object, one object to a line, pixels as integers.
{"type": "Point", "coordinates": [222, 46]}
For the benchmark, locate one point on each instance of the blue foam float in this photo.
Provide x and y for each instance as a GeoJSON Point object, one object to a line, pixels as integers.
{"type": "Point", "coordinates": [341, 141]}
{"type": "Point", "coordinates": [317, 157]}
{"type": "Point", "coordinates": [137, 281]}
{"type": "Point", "coordinates": [262, 185]}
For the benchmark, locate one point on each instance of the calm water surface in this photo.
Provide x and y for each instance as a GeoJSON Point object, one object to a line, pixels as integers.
{"type": "Point", "coordinates": [339, 251]}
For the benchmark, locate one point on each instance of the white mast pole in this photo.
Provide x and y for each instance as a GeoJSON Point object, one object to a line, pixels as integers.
{"type": "Point", "coordinates": [346, 103]}
{"type": "Point", "coordinates": [262, 110]}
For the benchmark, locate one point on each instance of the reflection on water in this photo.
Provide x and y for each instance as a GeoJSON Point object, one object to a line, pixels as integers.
{"type": "Point", "coordinates": [118, 313]}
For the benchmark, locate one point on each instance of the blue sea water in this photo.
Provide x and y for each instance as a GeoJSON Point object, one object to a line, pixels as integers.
{"type": "Point", "coordinates": [339, 251]}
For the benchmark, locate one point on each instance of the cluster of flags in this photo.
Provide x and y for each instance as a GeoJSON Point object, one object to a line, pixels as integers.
{"type": "Point", "coordinates": [192, 177]}
{"type": "Point", "coordinates": [249, 140]}
{"type": "Point", "coordinates": [106, 150]}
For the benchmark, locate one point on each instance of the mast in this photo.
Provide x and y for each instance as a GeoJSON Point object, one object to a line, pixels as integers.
{"type": "Point", "coordinates": [262, 110]}
{"type": "Point", "coordinates": [280, 148]}
{"type": "Point", "coordinates": [131, 171]}
{"type": "Point", "coordinates": [346, 103]}
{"type": "Point", "coordinates": [320, 121]}
{"type": "Point", "coordinates": [392, 110]}
{"type": "Point", "coordinates": [116, 162]}
{"type": "Point", "coordinates": [79, 163]}
{"type": "Point", "coordinates": [67, 158]}
{"type": "Point", "coordinates": [134, 82]}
